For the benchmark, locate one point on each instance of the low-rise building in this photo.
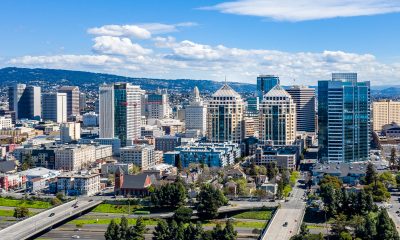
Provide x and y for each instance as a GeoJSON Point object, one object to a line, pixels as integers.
{"type": "Point", "coordinates": [285, 158]}
{"type": "Point", "coordinates": [78, 184]}
{"type": "Point", "coordinates": [132, 185]}
{"type": "Point", "coordinates": [167, 143]}
{"type": "Point", "coordinates": [349, 173]}
{"type": "Point", "coordinates": [74, 157]}
{"type": "Point", "coordinates": [12, 181]}
{"type": "Point", "coordinates": [140, 155]}
{"type": "Point", "coordinates": [211, 154]}
{"type": "Point", "coordinates": [111, 168]}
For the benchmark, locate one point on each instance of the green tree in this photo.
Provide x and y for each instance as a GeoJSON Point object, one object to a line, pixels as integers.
{"type": "Point", "coordinates": [272, 170]}
{"type": "Point", "coordinates": [385, 228]}
{"type": "Point", "coordinates": [170, 195]}
{"type": "Point", "coordinates": [161, 231]}
{"type": "Point", "coordinates": [194, 232]}
{"type": "Point", "coordinates": [124, 228]}
{"type": "Point", "coordinates": [345, 236]}
{"type": "Point", "coordinates": [367, 231]}
{"type": "Point", "coordinates": [60, 196]}
{"type": "Point", "coordinates": [210, 200]}
{"type": "Point", "coordinates": [178, 164]}
{"type": "Point", "coordinates": [241, 185]}
{"type": "Point", "coordinates": [177, 230]}
{"type": "Point", "coordinates": [112, 232]}
{"type": "Point", "coordinates": [387, 179]}
{"type": "Point", "coordinates": [217, 232]}
{"type": "Point", "coordinates": [371, 175]}
{"type": "Point", "coordinates": [398, 180]}
{"type": "Point", "coordinates": [137, 231]}
{"type": "Point", "coordinates": [183, 214]}
{"type": "Point", "coordinates": [55, 201]}
{"type": "Point", "coordinates": [333, 181]}
{"type": "Point", "coordinates": [135, 169]}
{"type": "Point", "coordinates": [21, 212]}
{"type": "Point", "coordinates": [378, 190]}
{"type": "Point", "coordinates": [393, 158]}
{"type": "Point", "coordinates": [229, 231]}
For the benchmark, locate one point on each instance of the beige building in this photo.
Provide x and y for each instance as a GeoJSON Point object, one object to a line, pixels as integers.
{"type": "Point", "coordinates": [70, 131]}
{"type": "Point", "coordinates": [225, 116]}
{"type": "Point", "coordinates": [74, 157]}
{"type": "Point", "coordinates": [277, 117]}
{"type": "Point", "coordinates": [142, 156]}
{"type": "Point", "coordinates": [86, 184]}
{"type": "Point", "coordinates": [385, 112]}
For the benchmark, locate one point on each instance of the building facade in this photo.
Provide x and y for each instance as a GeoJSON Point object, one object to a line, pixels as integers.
{"type": "Point", "coordinates": [225, 116]}
{"type": "Point", "coordinates": [343, 119]}
{"type": "Point", "coordinates": [140, 155]}
{"type": "Point", "coordinates": [277, 118]}
{"type": "Point", "coordinates": [304, 98]}
{"type": "Point", "coordinates": [385, 112]}
{"type": "Point", "coordinates": [70, 131]}
{"type": "Point", "coordinates": [157, 106]}
{"type": "Point", "coordinates": [120, 112]}
{"type": "Point", "coordinates": [74, 157]}
{"type": "Point", "coordinates": [196, 114]}
{"type": "Point", "coordinates": [73, 96]}
{"type": "Point", "coordinates": [266, 83]}
{"type": "Point", "coordinates": [54, 107]}
{"type": "Point", "coordinates": [25, 101]}
{"type": "Point", "coordinates": [84, 184]}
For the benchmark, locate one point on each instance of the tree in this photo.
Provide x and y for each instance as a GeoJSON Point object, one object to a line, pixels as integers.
{"type": "Point", "coordinates": [378, 190]}
{"type": "Point", "coordinates": [55, 201]}
{"type": "Point", "coordinates": [304, 230]}
{"type": "Point", "coordinates": [345, 236]}
{"type": "Point", "coordinates": [333, 181]}
{"type": "Point", "coordinates": [280, 190]}
{"type": "Point", "coordinates": [217, 232]}
{"type": "Point", "coordinates": [241, 185]}
{"type": "Point", "coordinates": [137, 231]}
{"type": "Point", "coordinates": [112, 232]}
{"type": "Point", "coordinates": [393, 158]}
{"type": "Point", "coordinates": [387, 179]}
{"type": "Point", "coordinates": [170, 195]}
{"type": "Point", "coordinates": [21, 212]}
{"type": "Point", "coordinates": [371, 175]}
{"type": "Point", "coordinates": [272, 170]}
{"type": "Point", "coordinates": [135, 169]}
{"type": "Point", "coordinates": [161, 231]}
{"type": "Point", "coordinates": [178, 164]}
{"type": "Point", "coordinates": [183, 214]}
{"type": "Point", "coordinates": [385, 228]}
{"type": "Point", "coordinates": [210, 200]}
{"type": "Point", "coordinates": [27, 162]}
{"type": "Point", "coordinates": [339, 225]}
{"type": "Point", "coordinates": [367, 231]}
{"type": "Point", "coordinates": [124, 228]}
{"type": "Point", "coordinates": [229, 231]}
{"type": "Point", "coordinates": [176, 230]}
{"type": "Point", "coordinates": [398, 180]}
{"type": "Point", "coordinates": [60, 196]}
{"type": "Point", "coordinates": [194, 232]}
{"type": "Point", "coordinates": [259, 193]}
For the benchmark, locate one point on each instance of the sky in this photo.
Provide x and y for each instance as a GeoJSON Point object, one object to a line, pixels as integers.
{"type": "Point", "coordinates": [301, 41]}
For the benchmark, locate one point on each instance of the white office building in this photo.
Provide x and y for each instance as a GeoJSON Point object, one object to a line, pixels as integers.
{"type": "Point", "coordinates": [196, 114]}
{"type": "Point", "coordinates": [54, 107]}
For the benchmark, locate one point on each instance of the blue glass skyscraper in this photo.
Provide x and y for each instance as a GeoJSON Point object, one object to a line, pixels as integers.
{"type": "Point", "coordinates": [343, 119]}
{"type": "Point", "coordinates": [266, 83]}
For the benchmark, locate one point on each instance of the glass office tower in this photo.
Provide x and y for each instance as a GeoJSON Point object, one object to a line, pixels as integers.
{"type": "Point", "coordinates": [266, 83]}
{"type": "Point", "coordinates": [343, 119]}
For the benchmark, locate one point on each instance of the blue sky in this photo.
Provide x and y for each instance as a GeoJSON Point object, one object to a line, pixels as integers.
{"type": "Point", "coordinates": [206, 39]}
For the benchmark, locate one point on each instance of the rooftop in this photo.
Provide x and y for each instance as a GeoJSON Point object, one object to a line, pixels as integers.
{"type": "Point", "coordinates": [226, 91]}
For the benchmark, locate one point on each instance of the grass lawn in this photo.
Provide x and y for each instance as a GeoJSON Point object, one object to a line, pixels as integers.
{"type": "Point", "coordinates": [10, 213]}
{"type": "Point", "coordinates": [113, 208]}
{"type": "Point", "coordinates": [23, 203]}
{"type": "Point", "coordinates": [315, 226]}
{"type": "Point", "coordinates": [258, 215]}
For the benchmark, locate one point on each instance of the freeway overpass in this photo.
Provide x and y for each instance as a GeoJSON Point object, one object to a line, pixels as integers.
{"type": "Point", "coordinates": [45, 220]}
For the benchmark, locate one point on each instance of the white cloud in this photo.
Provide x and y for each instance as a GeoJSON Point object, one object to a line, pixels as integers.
{"type": "Point", "coordinates": [169, 58]}
{"type": "Point", "coordinates": [301, 10]}
{"type": "Point", "coordinates": [121, 30]}
{"type": "Point", "coordinates": [118, 46]}
{"type": "Point", "coordinates": [161, 28]}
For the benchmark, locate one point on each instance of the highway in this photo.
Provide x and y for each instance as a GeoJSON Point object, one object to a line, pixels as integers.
{"type": "Point", "coordinates": [46, 219]}
{"type": "Point", "coordinates": [291, 212]}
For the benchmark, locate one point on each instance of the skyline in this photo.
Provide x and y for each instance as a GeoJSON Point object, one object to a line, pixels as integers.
{"type": "Point", "coordinates": [195, 39]}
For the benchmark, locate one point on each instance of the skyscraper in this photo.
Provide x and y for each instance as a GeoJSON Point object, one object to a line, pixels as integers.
{"type": "Point", "coordinates": [196, 113]}
{"type": "Point", "coordinates": [54, 107]}
{"type": "Point", "coordinates": [25, 101]}
{"type": "Point", "coordinates": [266, 83]}
{"type": "Point", "coordinates": [120, 111]}
{"type": "Point", "coordinates": [72, 99]}
{"type": "Point", "coordinates": [225, 116]}
{"type": "Point", "coordinates": [277, 118]}
{"type": "Point", "coordinates": [304, 98]}
{"type": "Point", "coordinates": [343, 119]}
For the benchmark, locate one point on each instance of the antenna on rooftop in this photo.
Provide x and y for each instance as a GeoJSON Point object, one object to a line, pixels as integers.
{"type": "Point", "coordinates": [225, 79]}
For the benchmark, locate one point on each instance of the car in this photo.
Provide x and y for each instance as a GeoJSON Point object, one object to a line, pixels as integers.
{"type": "Point", "coordinates": [91, 200]}
{"type": "Point", "coordinates": [75, 237]}
{"type": "Point", "coordinates": [51, 214]}
{"type": "Point", "coordinates": [77, 229]}
{"type": "Point", "coordinates": [285, 224]}
{"type": "Point", "coordinates": [76, 206]}
{"type": "Point", "coordinates": [397, 211]}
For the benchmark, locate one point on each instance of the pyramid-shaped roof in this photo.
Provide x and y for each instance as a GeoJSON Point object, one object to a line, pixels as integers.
{"type": "Point", "coordinates": [277, 91]}
{"type": "Point", "coordinates": [226, 91]}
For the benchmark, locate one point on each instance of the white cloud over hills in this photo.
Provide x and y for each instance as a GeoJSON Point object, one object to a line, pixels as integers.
{"type": "Point", "coordinates": [128, 51]}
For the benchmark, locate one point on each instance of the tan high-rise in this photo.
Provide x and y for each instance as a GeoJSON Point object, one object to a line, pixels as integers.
{"type": "Point", "coordinates": [225, 116]}
{"type": "Point", "coordinates": [385, 112]}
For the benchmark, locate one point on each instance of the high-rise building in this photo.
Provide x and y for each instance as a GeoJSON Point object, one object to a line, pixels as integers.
{"type": "Point", "coordinates": [196, 113]}
{"type": "Point", "coordinates": [266, 83]}
{"type": "Point", "coordinates": [385, 112]}
{"type": "Point", "coordinates": [120, 111]}
{"type": "Point", "coordinates": [73, 95]}
{"type": "Point", "coordinates": [304, 98]}
{"type": "Point", "coordinates": [54, 107]}
{"type": "Point", "coordinates": [343, 119]}
{"type": "Point", "coordinates": [25, 101]}
{"type": "Point", "coordinates": [82, 101]}
{"type": "Point", "coordinates": [225, 115]}
{"type": "Point", "coordinates": [156, 105]}
{"type": "Point", "coordinates": [277, 118]}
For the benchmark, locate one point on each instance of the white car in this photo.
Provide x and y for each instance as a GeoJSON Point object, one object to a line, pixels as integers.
{"type": "Point", "coordinates": [75, 237]}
